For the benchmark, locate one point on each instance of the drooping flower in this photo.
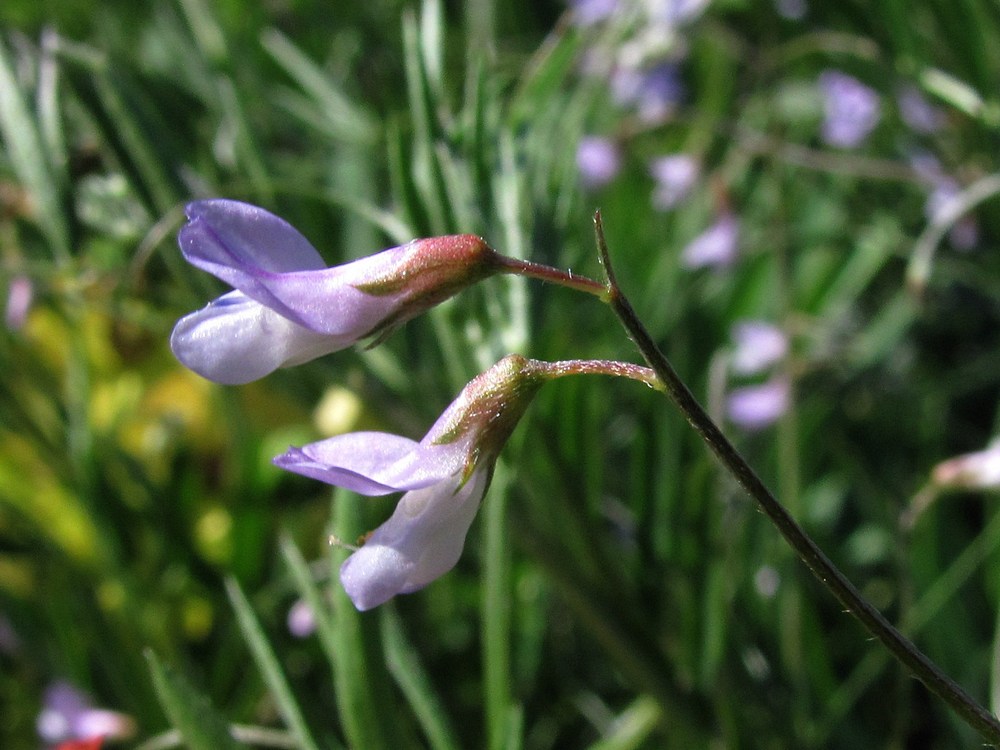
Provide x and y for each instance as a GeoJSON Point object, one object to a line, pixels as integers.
{"type": "Point", "coordinates": [444, 477]}
{"type": "Point", "coordinates": [288, 308]}
{"type": "Point", "coordinates": [68, 715]}
{"type": "Point", "coordinates": [851, 109]}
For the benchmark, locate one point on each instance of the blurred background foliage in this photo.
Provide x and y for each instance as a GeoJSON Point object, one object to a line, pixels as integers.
{"type": "Point", "coordinates": [617, 591]}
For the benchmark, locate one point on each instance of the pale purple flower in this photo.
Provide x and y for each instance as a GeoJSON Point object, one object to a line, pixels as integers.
{"type": "Point", "coordinates": [918, 113]}
{"type": "Point", "coordinates": [716, 247]}
{"type": "Point", "coordinates": [598, 160]}
{"type": "Point", "coordinates": [654, 92]}
{"type": "Point", "coordinates": [590, 12]}
{"type": "Point", "coordinates": [964, 233]}
{"type": "Point", "coordinates": [758, 346]}
{"type": "Point", "coordinates": [851, 109]}
{"type": "Point", "coordinates": [288, 308]}
{"type": "Point", "coordinates": [67, 714]}
{"type": "Point", "coordinates": [444, 477]}
{"type": "Point", "coordinates": [754, 407]}
{"type": "Point", "coordinates": [19, 296]}
{"type": "Point", "coordinates": [675, 12]}
{"type": "Point", "coordinates": [792, 10]}
{"type": "Point", "coordinates": [675, 175]}
{"type": "Point", "coordinates": [301, 619]}
{"type": "Point", "coordinates": [975, 471]}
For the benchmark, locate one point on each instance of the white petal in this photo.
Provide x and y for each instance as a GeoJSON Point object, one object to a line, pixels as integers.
{"type": "Point", "coordinates": [235, 340]}
{"type": "Point", "coordinates": [420, 542]}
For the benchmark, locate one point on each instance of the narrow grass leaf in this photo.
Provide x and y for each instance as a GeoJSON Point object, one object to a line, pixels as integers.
{"type": "Point", "coordinates": [404, 665]}
{"type": "Point", "coordinates": [267, 662]}
{"type": "Point", "coordinates": [189, 711]}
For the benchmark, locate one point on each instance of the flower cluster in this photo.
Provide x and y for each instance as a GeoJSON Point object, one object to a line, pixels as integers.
{"type": "Point", "coordinates": [288, 308]}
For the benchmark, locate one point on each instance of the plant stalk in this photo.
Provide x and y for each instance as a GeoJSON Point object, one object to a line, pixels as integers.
{"type": "Point", "coordinates": [914, 660]}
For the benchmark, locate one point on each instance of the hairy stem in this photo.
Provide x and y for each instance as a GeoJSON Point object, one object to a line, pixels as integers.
{"type": "Point", "coordinates": [815, 559]}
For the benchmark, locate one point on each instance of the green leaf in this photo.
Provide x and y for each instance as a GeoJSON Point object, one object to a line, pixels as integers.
{"type": "Point", "coordinates": [267, 662]}
{"type": "Point", "coordinates": [189, 711]}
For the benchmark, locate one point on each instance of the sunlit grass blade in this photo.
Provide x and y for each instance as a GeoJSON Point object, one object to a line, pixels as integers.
{"type": "Point", "coordinates": [632, 728]}
{"type": "Point", "coordinates": [269, 667]}
{"type": "Point", "coordinates": [344, 118]}
{"type": "Point", "coordinates": [404, 665]}
{"type": "Point", "coordinates": [189, 711]}
{"type": "Point", "coordinates": [33, 166]}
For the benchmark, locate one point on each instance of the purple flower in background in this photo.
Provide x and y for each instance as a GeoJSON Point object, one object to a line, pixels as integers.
{"type": "Point", "coordinates": [792, 10]}
{"type": "Point", "coordinates": [67, 714]}
{"type": "Point", "coordinates": [598, 160]}
{"type": "Point", "coordinates": [754, 407]}
{"type": "Point", "coordinates": [975, 471]}
{"type": "Point", "coordinates": [716, 247]}
{"type": "Point", "coordinates": [19, 296]}
{"type": "Point", "coordinates": [590, 12]}
{"type": "Point", "coordinates": [444, 476]}
{"type": "Point", "coordinates": [675, 176]}
{"type": "Point", "coordinates": [851, 109]}
{"type": "Point", "coordinates": [759, 345]}
{"type": "Point", "coordinates": [288, 308]}
{"type": "Point", "coordinates": [919, 114]}
{"type": "Point", "coordinates": [301, 619]}
{"type": "Point", "coordinates": [654, 92]}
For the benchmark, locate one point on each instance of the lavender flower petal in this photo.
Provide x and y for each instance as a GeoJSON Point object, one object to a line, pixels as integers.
{"type": "Point", "coordinates": [716, 247]}
{"type": "Point", "coordinates": [420, 542]}
{"type": "Point", "coordinates": [374, 463]}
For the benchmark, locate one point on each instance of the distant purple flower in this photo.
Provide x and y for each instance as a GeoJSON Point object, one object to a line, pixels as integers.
{"type": "Point", "coordinates": [851, 109]}
{"type": "Point", "coordinates": [964, 233]}
{"type": "Point", "coordinates": [444, 477]}
{"type": "Point", "coordinates": [19, 296]}
{"type": "Point", "coordinates": [716, 247]}
{"type": "Point", "coordinates": [590, 12]}
{"type": "Point", "coordinates": [598, 160]}
{"type": "Point", "coordinates": [978, 471]}
{"type": "Point", "coordinates": [67, 714]}
{"type": "Point", "coordinates": [675, 175]}
{"type": "Point", "coordinates": [793, 10]}
{"type": "Point", "coordinates": [918, 113]}
{"type": "Point", "coordinates": [675, 12]}
{"type": "Point", "coordinates": [288, 308]}
{"type": "Point", "coordinates": [301, 619]}
{"type": "Point", "coordinates": [759, 346]}
{"type": "Point", "coordinates": [654, 92]}
{"type": "Point", "coordinates": [754, 407]}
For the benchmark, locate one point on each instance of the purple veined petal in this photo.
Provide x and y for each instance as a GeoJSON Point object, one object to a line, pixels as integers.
{"type": "Point", "coordinates": [257, 264]}
{"type": "Point", "coordinates": [235, 340]}
{"type": "Point", "coordinates": [420, 542]}
{"type": "Point", "coordinates": [375, 463]}
{"type": "Point", "coordinates": [225, 232]}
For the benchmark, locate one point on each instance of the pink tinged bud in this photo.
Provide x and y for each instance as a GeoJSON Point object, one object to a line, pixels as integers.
{"type": "Point", "coordinates": [759, 345]}
{"type": "Point", "coordinates": [444, 476]}
{"type": "Point", "coordinates": [288, 308]}
{"type": "Point", "coordinates": [755, 407]}
{"type": "Point", "coordinates": [716, 247]}
{"type": "Point", "coordinates": [67, 714]}
{"type": "Point", "coordinates": [974, 471]}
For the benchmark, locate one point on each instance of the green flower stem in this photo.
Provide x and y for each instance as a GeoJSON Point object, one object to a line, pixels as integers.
{"type": "Point", "coordinates": [815, 559]}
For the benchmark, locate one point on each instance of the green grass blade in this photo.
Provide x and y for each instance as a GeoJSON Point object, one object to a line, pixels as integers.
{"type": "Point", "coordinates": [413, 680]}
{"type": "Point", "coordinates": [189, 711]}
{"type": "Point", "coordinates": [267, 662]}
{"type": "Point", "coordinates": [31, 163]}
